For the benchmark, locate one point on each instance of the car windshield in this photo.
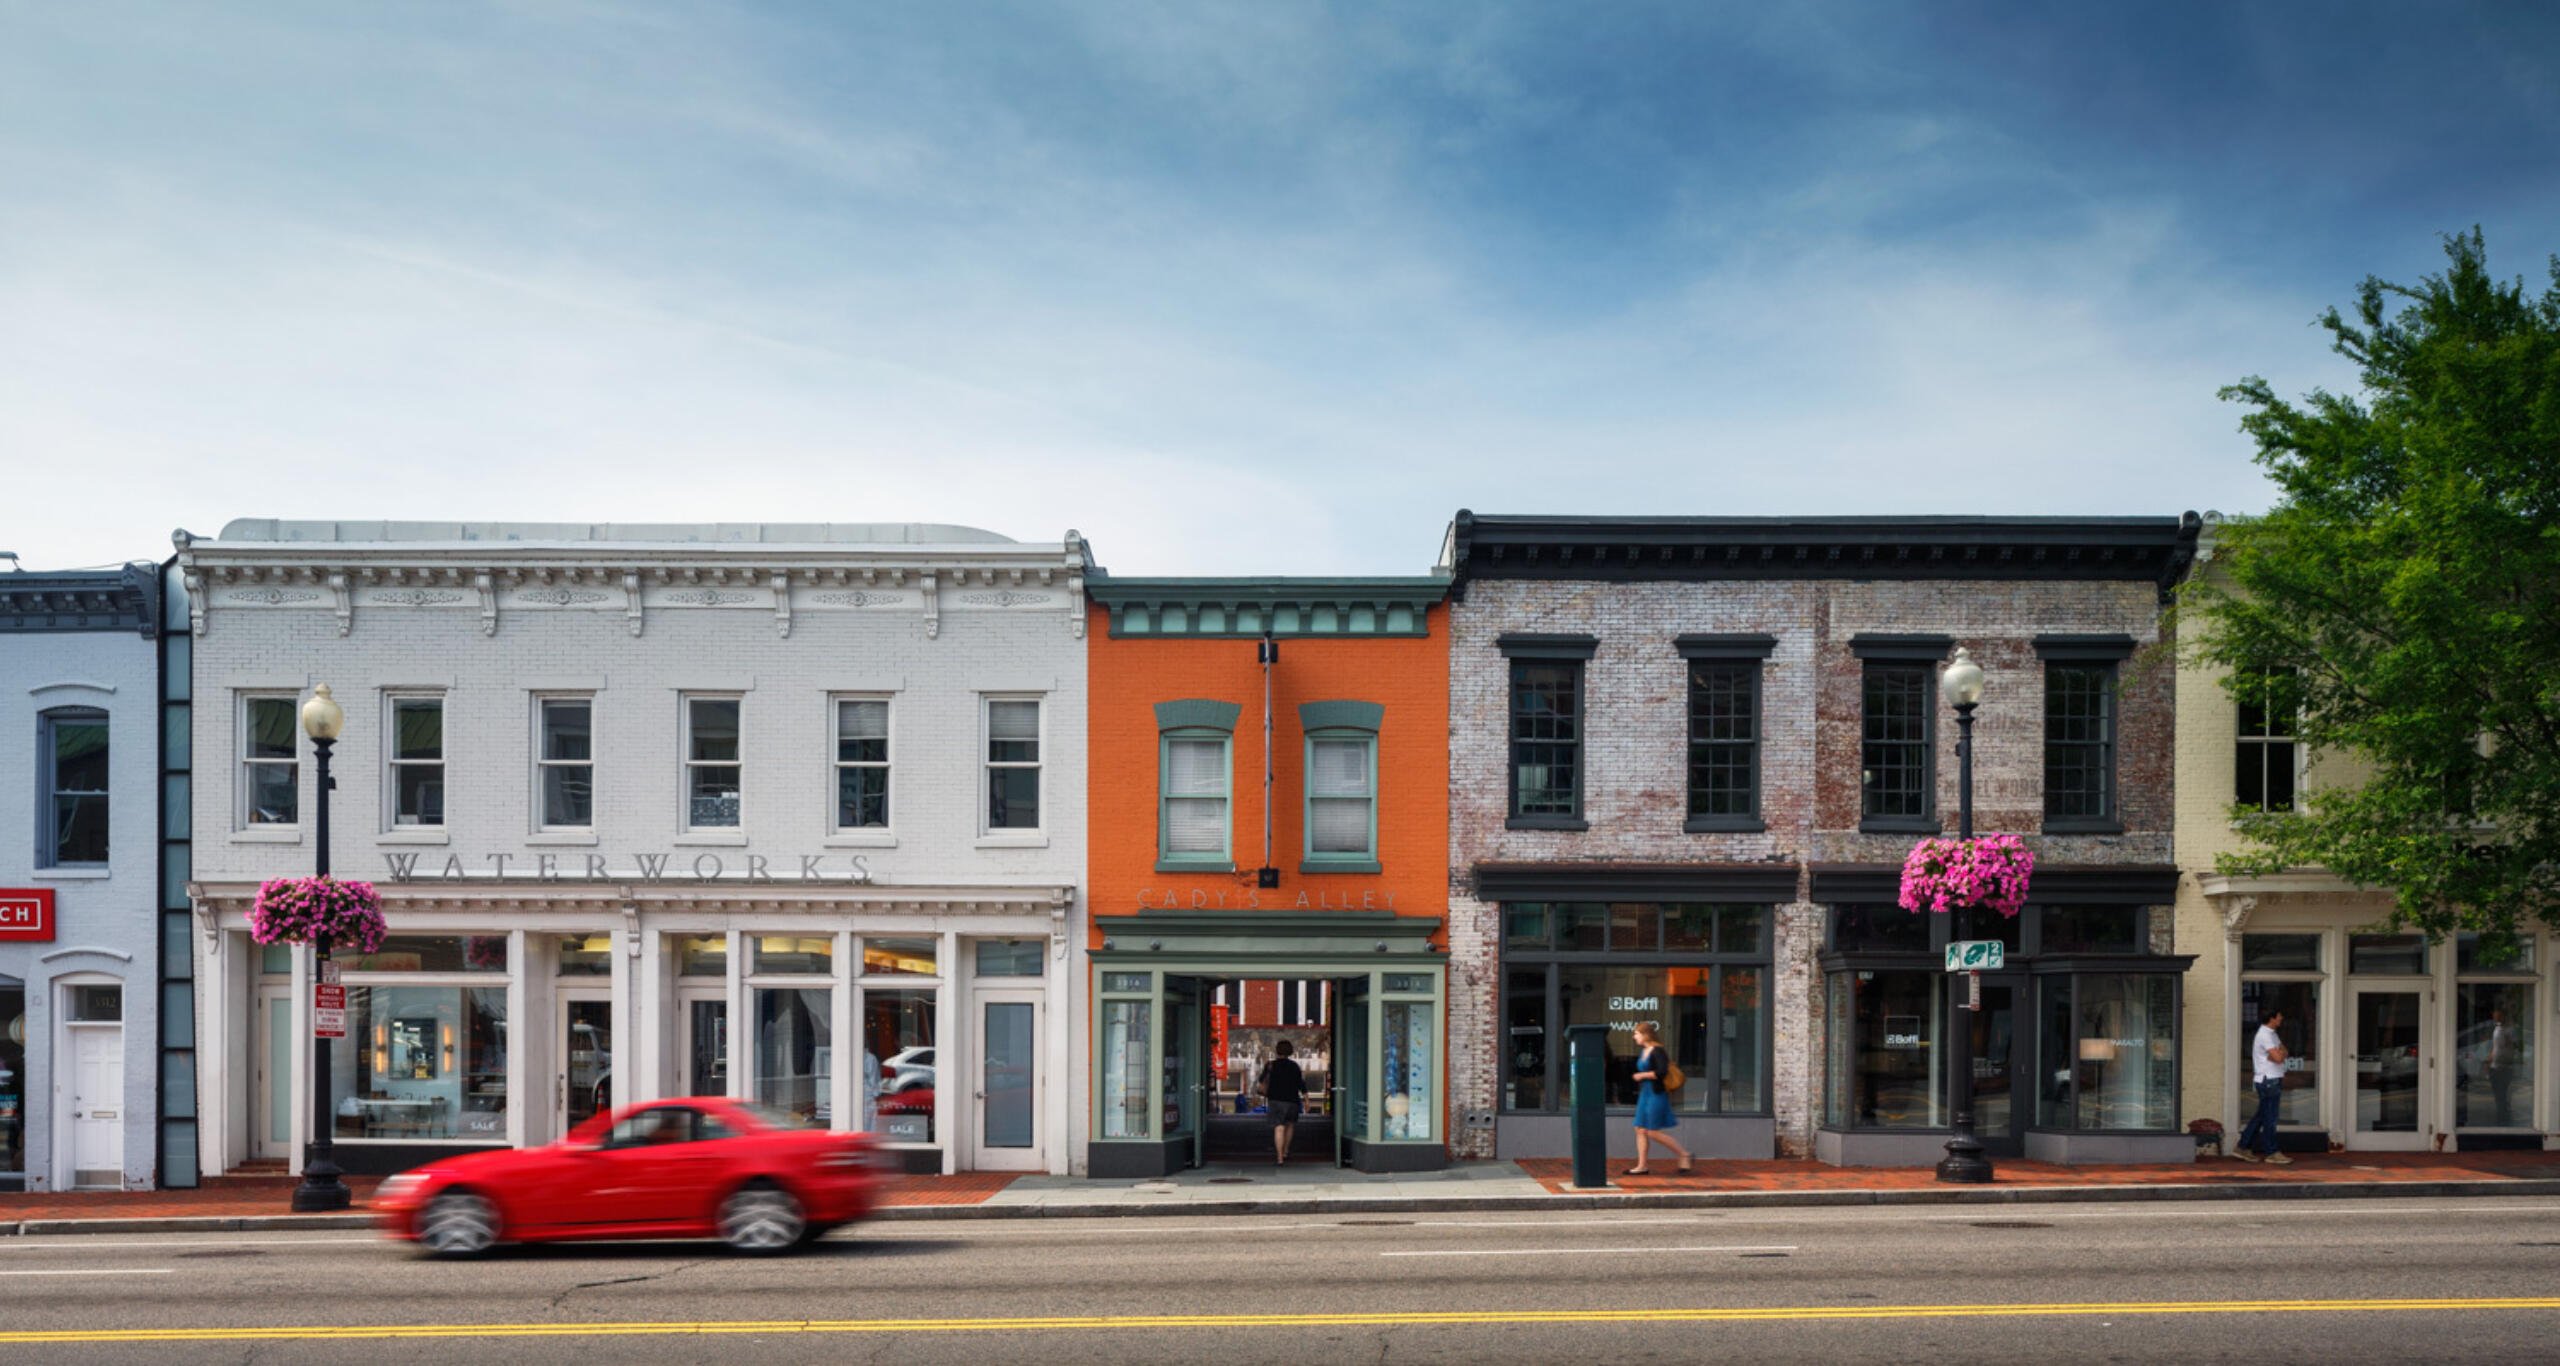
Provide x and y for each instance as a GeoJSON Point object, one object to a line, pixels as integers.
{"type": "Point", "coordinates": [774, 1117]}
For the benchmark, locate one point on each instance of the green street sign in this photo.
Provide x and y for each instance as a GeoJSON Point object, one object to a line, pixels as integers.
{"type": "Point", "coordinates": [1976, 955]}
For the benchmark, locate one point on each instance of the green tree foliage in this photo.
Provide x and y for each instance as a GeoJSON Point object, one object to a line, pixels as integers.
{"type": "Point", "coordinates": [2402, 599]}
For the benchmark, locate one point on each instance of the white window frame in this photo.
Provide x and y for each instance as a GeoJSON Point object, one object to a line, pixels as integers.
{"type": "Point", "coordinates": [987, 766]}
{"type": "Point", "coordinates": [243, 802]}
{"type": "Point", "coordinates": [1313, 859]}
{"type": "Point", "coordinates": [542, 822]}
{"type": "Point", "coordinates": [1222, 857]}
{"type": "Point", "coordinates": [687, 763]}
{"type": "Point", "coordinates": [837, 764]}
{"type": "Point", "coordinates": [392, 763]}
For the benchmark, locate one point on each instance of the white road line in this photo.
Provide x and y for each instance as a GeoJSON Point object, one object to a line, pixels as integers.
{"type": "Point", "coordinates": [85, 1243]}
{"type": "Point", "coordinates": [2221, 1211]}
{"type": "Point", "coordinates": [100, 1271]}
{"type": "Point", "coordinates": [1571, 1251]}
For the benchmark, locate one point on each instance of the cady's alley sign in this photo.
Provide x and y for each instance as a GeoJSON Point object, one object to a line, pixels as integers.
{"type": "Point", "coordinates": [648, 867]}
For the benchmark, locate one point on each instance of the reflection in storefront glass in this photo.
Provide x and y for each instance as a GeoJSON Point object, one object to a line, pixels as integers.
{"type": "Point", "coordinates": [1739, 1013]}
{"type": "Point", "coordinates": [794, 1050]}
{"type": "Point", "coordinates": [2125, 1055]}
{"type": "Point", "coordinates": [900, 1057]}
{"type": "Point", "coordinates": [13, 1077]}
{"type": "Point", "coordinates": [2493, 1055]}
{"type": "Point", "coordinates": [1125, 1046]}
{"type": "Point", "coordinates": [909, 957]}
{"type": "Point", "coordinates": [1884, 1031]}
{"type": "Point", "coordinates": [2300, 1002]}
{"type": "Point", "coordinates": [1406, 1068]}
{"type": "Point", "coordinates": [702, 955]}
{"type": "Point", "coordinates": [421, 1062]}
{"type": "Point", "coordinates": [1525, 1040]}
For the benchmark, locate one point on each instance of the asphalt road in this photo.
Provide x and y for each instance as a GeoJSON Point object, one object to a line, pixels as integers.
{"type": "Point", "coordinates": [2263, 1282]}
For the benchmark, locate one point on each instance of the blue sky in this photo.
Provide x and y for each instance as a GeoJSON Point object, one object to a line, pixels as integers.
{"type": "Point", "coordinates": [1230, 288]}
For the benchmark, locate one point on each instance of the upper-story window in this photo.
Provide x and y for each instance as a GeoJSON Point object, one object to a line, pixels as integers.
{"type": "Point", "coordinates": [1724, 730]}
{"type": "Point", "coordinates": [1195, 777]}
{"type": "Point", "coordinates": [1898, 768]}
{"type": "Point", "coordinates": [2081, 723]}
{"type": "Point", "coordinates": [1013, 763]}
{"type": "Point", "coordinates": [564, 757]}
{"type": "Point", "coordinates": [1342, 785]}
{"type": "Point", "coordinates": [2265, 765]}
{"type": "Point", "coordinates": [1547, 729]}
{"type": "Point", "coordinates": [270, 772]}
{"type": "Point", "coordinates": [862, 763]}
{"type": "Point", "coordinates": [416, 761]}
{"type": "Point", "coordinates": [72, 747]}
{"type": "Point", "coordinates": [711, 765]}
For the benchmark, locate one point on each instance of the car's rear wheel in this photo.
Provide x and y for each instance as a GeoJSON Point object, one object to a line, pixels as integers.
{"type": "Point", "coordinates": [761, 1218]}
{"type": "Point", "coordinates": [458, 1223]}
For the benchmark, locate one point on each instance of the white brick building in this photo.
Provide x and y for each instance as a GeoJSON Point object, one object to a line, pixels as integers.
{"type": "Point", "coordinates": [785, 812]}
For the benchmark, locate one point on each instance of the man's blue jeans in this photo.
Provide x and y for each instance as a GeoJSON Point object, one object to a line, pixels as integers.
{"type": "Point", "coordinates": [2260, 1136]}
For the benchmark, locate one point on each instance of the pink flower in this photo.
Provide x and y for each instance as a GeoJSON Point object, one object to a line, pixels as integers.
{"type": "Point", "coordinates": [1946, 875]}
{"type": "Point", "coordinates": [303, 910]}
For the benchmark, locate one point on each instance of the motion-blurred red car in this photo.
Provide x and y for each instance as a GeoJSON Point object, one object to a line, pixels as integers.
{"type": "Point", "coordinates": [757, 1178]}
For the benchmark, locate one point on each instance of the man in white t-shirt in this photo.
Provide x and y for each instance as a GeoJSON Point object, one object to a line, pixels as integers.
{"type": "Point", "coordinates": [2267, 1057]}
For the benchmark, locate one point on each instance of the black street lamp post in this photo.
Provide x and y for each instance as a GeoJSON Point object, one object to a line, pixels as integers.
{"type": "Point", "coordinates": [1965, 1161]}
{"type": "Point", "coordinates": [321, 1189]}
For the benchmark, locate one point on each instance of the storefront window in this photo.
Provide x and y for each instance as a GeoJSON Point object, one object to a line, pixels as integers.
{"type": "Point", "coordinates": [900, 1056]}
{"type": "Point", "coordinates": [2093, 929]}
{"type": "Point", "coordinates": [900, 957]}
{"type": "Point", "coordinates": [2300, 1002]}
{"type": "Point", "coordinates": [1697, 972]}
{"type": "Point", "coordinates": [421, 1061]}
{"type": "Point", "coordinates": [2395, 955]}
{"type": "Point", "coordinates": [1406, 1069]}
{"type": "Point", "coordinates": [586, 955]}
{"type": "Point", "coordinates": [807, 955]}
{"type": "Point", "coordinates": [13, 1077]}
{"type": "Point", "coordinates": [1012, 957]}
{"type": "Point", "coordinates": [2279, 953]}
{"type": "Point", "coordinates": [1125, 1048]}
{"type": "Point", "coordinates": [1886, 1068]}
{"type": "Point", "coordinates": [2108, 1052]}
{"type": "Point", "coordinates": [702, 955]}
{"type": "Point", "coordinates": [1878, 929]}
{"type": "Point", "coordinates": [430, 953]}
{"type": "Point", "coordinates": [795, 1057]}
{"type": "Point", "coordinates": [2493, 1055]}
{"type": "Point", "coordinates": [2478, 954]}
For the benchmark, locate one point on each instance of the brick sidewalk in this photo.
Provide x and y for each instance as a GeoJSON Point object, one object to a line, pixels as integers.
{"type": "Point", "coordinates": [273, 1195]}
{"type": "Point", "coordinates": [1556, 1174]}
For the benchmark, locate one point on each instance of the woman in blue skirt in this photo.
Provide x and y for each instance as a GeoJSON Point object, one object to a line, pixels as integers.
{"type": "Point", "coordinates": [1654, 1119]}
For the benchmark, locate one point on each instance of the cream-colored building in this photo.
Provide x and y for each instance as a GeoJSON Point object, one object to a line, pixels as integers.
{"type": "Point", "coordinates": [2397, 1043]}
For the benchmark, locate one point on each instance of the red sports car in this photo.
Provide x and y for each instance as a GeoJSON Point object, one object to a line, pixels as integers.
{"type": "Point", "coordinates": [757, 1178]}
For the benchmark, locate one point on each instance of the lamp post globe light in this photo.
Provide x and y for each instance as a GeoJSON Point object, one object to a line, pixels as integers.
{"type": "Point", "coordinates": [321, 1188]}
{"type": "Point", "coordinates": [1961, 684]}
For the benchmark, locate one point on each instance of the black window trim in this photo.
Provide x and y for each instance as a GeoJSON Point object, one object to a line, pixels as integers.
{"type": "Point", "coordinates": [49, 784]}
{"type": "Point", "coordinates": [1751, 650]}
{"type": "Point", "coordinates": [1902, 652]}
{"type": "Point", "coordinates": [1546, 649]}
{"type": "Point", "coordinates": [2112, 821]}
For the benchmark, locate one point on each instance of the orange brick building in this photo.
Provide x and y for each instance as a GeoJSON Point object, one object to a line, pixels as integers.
{"type": "Point", "coordinates": [1268, 819]}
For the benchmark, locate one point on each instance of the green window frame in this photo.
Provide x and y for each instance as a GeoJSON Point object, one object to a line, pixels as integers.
{"type": "Point", "coordinates": [1188, 799]}
{"type": "Point", "coordinates": [1339, 772]}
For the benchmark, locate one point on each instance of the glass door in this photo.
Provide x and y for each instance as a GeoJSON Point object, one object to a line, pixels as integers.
{"type": "Point", "coordinates": [1999, 1112]}
{"type": "Point", "coordinates": [2391, 1059]}
{"type": "Point", "coordinates": [1185, 1046]}
{"type": "Point", "coordinates": [706, 1044]}
{"type": "Point", "coordinates": [1008, 1082]}
{"type": "Point", "coordinates": [584, 1086]}
{"type": "Point", "coordinates": [1351, 1076]}
{"type": "Point", "coordinates": [275, 1073]}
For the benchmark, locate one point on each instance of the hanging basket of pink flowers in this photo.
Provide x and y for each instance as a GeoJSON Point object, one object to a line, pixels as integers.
{"type": "Point", "coordinates": [1949, 875]}
{"type": "Point", "coordinates": [307, 910]}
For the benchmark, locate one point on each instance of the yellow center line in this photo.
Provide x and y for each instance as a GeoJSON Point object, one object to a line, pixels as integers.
{"type": "Point", "coordinates": [1110, 1322]}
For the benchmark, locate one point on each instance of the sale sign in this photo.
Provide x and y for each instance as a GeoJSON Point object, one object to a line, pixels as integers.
{"type": "Point", "coordinates": [26, 914]}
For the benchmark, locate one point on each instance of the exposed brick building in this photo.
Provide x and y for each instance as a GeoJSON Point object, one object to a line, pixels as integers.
{"type": "Point", "coordinates": [1687, 758]}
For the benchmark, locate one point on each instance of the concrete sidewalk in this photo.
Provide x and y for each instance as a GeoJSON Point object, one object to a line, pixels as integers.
{"type": "Point", "coordinates": [1474, 1186]}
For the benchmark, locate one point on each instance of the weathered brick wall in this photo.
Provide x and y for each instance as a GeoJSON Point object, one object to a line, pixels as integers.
{"type": "Point", "coordinates": [1635, 757]}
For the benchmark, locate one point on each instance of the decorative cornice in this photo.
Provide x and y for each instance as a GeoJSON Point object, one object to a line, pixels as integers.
{"type": "Point", "coordinates": [126, 599]}
{"type": "Point", "coordinates": [634, 576]}
{"type": "Point", "coordinates": [1737, 882]}
{"type": "Point", "coordinates": [1654, 549]}
{"type": "Point", "coordinates": [1246, 608]}
{"type": "Point", "coordinates": [734, 896]}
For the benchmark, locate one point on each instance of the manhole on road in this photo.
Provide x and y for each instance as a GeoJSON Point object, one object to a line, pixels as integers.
{"type": "Point", "coordinates": [2008, 1223]}
{"type": "Point", "coordinates": [1377, 1223]}
{"type": "Point", "coordinates": [2538, 1244]}
{"type": "Point", "coordinates": [226, 1252]}
{"type": "Point", "coordinates": [1230, 1180]}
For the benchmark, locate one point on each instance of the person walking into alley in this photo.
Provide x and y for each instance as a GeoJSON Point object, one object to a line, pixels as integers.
{"type": "Point", "coordinates": [2266, 1070]}
{"type": "Point", "coordinates": [1654, 1119]}
{"type": "Point", "coordinates": [1284, 1090]}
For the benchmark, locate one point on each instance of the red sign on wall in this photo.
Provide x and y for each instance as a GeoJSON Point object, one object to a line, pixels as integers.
{"type": "Point", "coordinates": [26, 914]}
{"type": "Point", "coordinates": [1218, 1041]}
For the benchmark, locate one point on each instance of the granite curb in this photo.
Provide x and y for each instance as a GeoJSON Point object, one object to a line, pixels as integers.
{"type": "Point", "coordinates": [1644, 1200]}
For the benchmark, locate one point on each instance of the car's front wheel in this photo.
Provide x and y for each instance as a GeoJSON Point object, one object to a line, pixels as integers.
{"type": "Point", "coordinates": [458, 1223]}
{"type": "Point", "coordinates": [761, 1219]}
